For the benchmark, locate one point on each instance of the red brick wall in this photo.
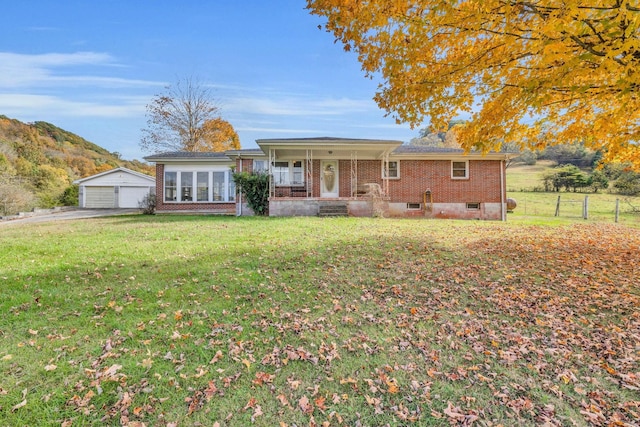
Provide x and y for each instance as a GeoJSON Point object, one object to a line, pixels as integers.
{"type": "Point", "coordinates": [416, 176]}
{"type": "Point", "coordinates": [244, 165]}
{"type": "Point", "coordinates": [369, 172]}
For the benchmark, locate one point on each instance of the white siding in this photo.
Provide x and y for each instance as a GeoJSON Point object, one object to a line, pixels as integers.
{"type": "Point", "coordinates": [130, 197]}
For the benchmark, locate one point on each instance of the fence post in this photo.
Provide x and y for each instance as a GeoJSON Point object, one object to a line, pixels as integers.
{"type": "Point", "coordinates": [585, 208]}
{"type": "Point", "coordinates": [558, 207]}
{"type": "Point", "coordinates": [617, 208]}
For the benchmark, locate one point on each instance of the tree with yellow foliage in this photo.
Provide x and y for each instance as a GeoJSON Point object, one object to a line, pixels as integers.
{"type": "Point", "coordinates": [530, 72]}
{"type": "Point", "coordinates": [217, 135]}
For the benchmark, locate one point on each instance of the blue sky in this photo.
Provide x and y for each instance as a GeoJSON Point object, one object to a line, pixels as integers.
{"type": "Point", "coordinates": [91, 67]}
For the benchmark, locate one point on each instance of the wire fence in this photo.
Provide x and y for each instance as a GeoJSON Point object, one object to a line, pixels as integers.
{"type": "Point", "coordinates": [602, 207]}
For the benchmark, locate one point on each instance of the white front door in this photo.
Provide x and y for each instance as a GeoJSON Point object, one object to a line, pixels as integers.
{"type": "Point", "coordinates": [330, 183]}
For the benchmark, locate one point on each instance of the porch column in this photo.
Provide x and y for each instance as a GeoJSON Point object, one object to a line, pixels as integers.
{"type": "Point", "coordinates": [309, 173]}
{"type": "Point", "coordinates": [354, 173]}
{"type": "Point", "coordinates": [272, 159]}
{"type": "Point", "coordinates": [385, 178]}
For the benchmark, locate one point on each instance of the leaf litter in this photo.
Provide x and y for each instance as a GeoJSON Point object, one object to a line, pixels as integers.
{"type": "Point", "coordinates": [493, 325]}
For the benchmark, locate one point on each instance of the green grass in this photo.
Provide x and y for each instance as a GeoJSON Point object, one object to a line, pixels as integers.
{"type": "Point", "coordinates": [239, 321]}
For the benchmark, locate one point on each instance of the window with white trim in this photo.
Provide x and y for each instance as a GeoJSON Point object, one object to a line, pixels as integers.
{"type": "Point", "coordinates": [473, 206]}
{"type": "Point", "coordinates": [260, 166]}
{"type": "Point", "coordinates": [288, 172]}
{"type": "Point", "coordinates": [218, 186]}
{"type": "Point", "coordinates": [231, 195]}
{"type": "Point", "coordinates": [460, 169]}
{"type": "Point", "coordinates": [394, 169]}
{"type": "Point", "coordinates": [203, 186]}
{"type": "Point", "coordinates": [186, 186]}
{"type": "Point", "coordinates": [199, 186]}
{"type": "Point", "coordinates": [170, 186]}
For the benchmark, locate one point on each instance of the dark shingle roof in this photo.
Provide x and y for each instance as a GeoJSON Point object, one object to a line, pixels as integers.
{"type": "Point", "coordinates": [188, 155]}
{"type": "Point", "coordinates": [325, 139]}
{"type": "Point", "coordinates": [418, 149]}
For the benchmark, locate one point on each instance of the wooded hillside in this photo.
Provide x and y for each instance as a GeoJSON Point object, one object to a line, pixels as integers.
{"type": "Point", "coordinates": [39, 162]}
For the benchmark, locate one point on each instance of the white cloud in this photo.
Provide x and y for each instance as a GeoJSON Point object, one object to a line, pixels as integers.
{"type": "Point", "coordinates": [276, 130]}
{"type": "Point", "coordinates": [299, 106]}
{"type": "Point", "coordinates": [20, 70]}
{"type": "Point", "coordinates": [44, 105]}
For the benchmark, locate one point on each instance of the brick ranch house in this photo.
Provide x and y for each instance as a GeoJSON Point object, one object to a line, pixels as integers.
{"type": "Point", "coordinates": [358, 177]}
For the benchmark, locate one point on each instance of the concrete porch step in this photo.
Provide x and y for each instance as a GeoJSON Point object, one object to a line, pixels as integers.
{"type": "Point", "coordinates": [333, 209]}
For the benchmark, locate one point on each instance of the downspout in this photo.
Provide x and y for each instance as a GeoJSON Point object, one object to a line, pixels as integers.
{"type": "Point", "coordinates": [239, 210]}
{"type": "Point", "coordinates": [503, 213]}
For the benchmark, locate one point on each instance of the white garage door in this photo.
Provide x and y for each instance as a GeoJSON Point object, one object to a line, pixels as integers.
{"type": "Point", "coordinates": [130, 197]}
{"type": "Point", "coordinates": [99, 197]}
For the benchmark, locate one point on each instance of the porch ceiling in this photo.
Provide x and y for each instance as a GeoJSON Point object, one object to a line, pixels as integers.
{"type": "Point", "coordinates": [328, 148]}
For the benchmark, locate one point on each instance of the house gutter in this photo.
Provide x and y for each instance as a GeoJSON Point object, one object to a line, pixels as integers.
{"type": "Point", "coordinates": [503, 213]}
{"type": "Point", "coordinates": [239, 210]}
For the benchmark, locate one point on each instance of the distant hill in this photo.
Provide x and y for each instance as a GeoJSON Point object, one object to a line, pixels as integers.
{"type": "Point", "coordinates": [39, 161]}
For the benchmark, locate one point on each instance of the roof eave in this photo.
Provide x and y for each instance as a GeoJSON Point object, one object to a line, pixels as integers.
{"type": "Point", "coordinates": [160, 159]}
{"type": "Point", "coordinates": [452, 155]}
{"type": "Point", "coordinates": [110, 171]}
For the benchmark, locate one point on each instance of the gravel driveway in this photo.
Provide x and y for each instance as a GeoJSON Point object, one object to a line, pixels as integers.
{"type": "Point", "coordinates": [66, 214]}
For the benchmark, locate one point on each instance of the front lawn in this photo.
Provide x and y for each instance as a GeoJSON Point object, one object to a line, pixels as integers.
{"type": "Point", "coordinates": [193, 320]}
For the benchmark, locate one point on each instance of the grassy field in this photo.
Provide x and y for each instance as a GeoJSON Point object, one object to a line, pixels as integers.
{"type": "Point", "coordinates": [522, 179]}
{"type": "Point", "coordinates": [185, 320]}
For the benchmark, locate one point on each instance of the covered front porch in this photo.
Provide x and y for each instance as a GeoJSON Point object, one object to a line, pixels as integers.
{"type": "Point", "coordinates": [309, 174]}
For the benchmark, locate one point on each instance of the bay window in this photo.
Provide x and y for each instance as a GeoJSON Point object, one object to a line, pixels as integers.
{"type": "Point", "coordinates": [199, 186]}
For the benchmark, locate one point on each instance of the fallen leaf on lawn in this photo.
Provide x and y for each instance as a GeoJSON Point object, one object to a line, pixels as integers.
{"type": "Point", "coordinates": [454, 412]}
{"type": "Point", "coordinates": [19, 405]}
{"type": "Point", "coordinates": [263, 378]}
{"type": "Point", "coordinates": [257, 411]}
{"type": "Point", "coordinates": [109, 372]}
{"type": "Point", "coordinates": [283, 400]}
{"type": "Point", "coordinates": [217, 357]}
{"type": "Point", "coordinates": [50, 367]}
{"type": "Point", "coordinates": [320, 403]}
{"type": "Point", "coordinates": [251, 403]}
{"type": "Point", "coordinates": [305, 405]}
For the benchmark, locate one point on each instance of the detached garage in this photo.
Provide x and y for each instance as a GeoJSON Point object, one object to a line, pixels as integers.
{"type": "Point", "coordinates": [117, 188]}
